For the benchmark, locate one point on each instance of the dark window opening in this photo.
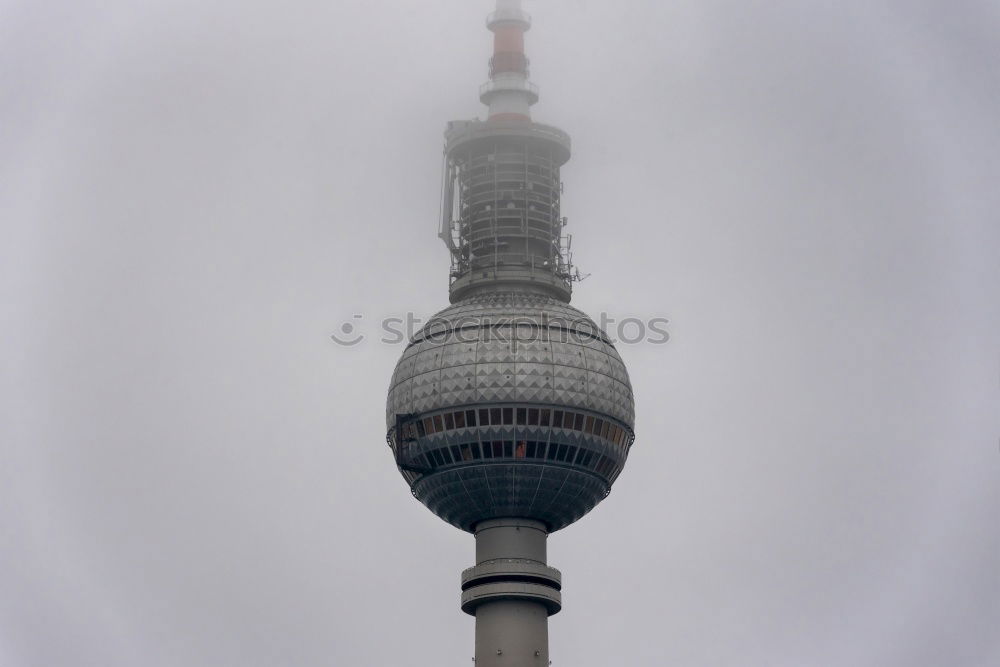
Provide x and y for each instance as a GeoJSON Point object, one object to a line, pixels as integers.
{"type": "Point", "coordinates": [530, 449]}
{"type": "Point", "coordinates": [508, 449]}
{"type": "Point", "coordinates": [420, 428]}
{"type": "Point", "coordinates": [590, 424]}
{"type": "Point", "coordinates": [446, 455]}
{"type": "Point", "coordinates": [429, 425]}
{"type": "Point", "coordinates": [470, 418]}
{"type": "Point", "coordinates": [521, 416]}
{"type": "Point", "coordinates": [533, 417]}
{"type": "Point", "coordinates": [456, 453]}
{"type": "Point", "coordinates": [561, 455]}
{"type": "Point", "coordinates": [497, 449]}
{"type": "Point", "coordinates": [580, 455]}
{"type": "Point", "coordinates": [551, 455]}
{"type": "Point", "coordinates": [605, 466]}
{"type": "Point", "coordinates": [521, 450]}
{"type": "Point", "coordinates": [598, 426]}
{"type": "Point", "coordinates": [459, 420]}
{"type": "Point", "coordinates": [508, 416]}
{"type": "Point", "coordinates": [557, 417]}
{"type": "Point", "coordinates": [438, 423]}
{"type": "Point", "coordinates": [543, 417]}
{"type": "Point", "coordinates": [449, 422]}
{"type": "Point", "coordinates": [495, 416]}
{"type": "Point", "coordinates": [484, 417]}
{"type": "Point", "coordinates": [578, 424]}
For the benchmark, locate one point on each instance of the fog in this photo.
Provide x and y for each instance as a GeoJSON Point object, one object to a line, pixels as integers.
{"type": "Point", "coordinates": [195, 195]}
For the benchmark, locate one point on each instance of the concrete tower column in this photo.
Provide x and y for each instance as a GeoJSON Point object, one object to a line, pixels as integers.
{"type": "Point", "coordinates": [512, 592]}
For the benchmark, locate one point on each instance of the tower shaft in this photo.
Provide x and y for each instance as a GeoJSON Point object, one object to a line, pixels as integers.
{"type": "Point", "coordinates": [512, 592]}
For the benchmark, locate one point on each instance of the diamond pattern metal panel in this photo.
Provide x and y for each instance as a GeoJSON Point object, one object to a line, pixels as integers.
{"type": "Point", "coordinates": [533, 382]}
{"type": "Point", "coordinates": [597, 360]}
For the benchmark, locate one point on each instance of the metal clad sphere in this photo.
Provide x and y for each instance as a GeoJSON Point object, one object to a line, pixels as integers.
{"type": "Point", "coordinates": [510, 405]}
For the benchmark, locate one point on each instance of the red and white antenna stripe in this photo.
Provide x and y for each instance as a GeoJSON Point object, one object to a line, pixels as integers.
{"type": "Point", "coordinates": [509, 94]}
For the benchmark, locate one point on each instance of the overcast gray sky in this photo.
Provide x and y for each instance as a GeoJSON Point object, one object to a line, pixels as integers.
{"type": "Point", "coordinates": [194, 195]}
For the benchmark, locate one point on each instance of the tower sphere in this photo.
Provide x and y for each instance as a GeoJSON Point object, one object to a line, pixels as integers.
{"type": "Point", "coordinates": [510, 405]}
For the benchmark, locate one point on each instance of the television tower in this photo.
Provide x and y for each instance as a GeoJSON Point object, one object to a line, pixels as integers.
{"type": "Point", "coordinates": [510, 414]}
